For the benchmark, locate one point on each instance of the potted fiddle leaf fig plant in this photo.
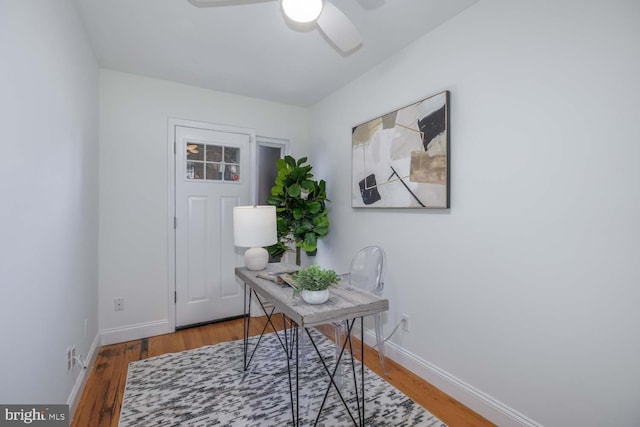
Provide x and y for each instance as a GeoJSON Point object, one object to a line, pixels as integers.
{"type": "Point", "coordinates": [301, 210]}
{"type": "Point", "coordinates": [313, 283]}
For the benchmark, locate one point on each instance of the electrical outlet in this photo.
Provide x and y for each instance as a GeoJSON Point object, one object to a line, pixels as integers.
{"type": "Point", "coordinates": [404, 319]}
{"type": "Point", "coordinates": [73, 355]}
{"type": "Point", "coordinates": [118, 304]}
{"type": "Point", "coordinates": [69, 360]}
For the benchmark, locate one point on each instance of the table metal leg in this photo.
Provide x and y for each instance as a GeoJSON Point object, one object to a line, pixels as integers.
{"type": "Point", "coordinates": [362, 364]}
{"type": "Point", "coordinates": [297, 419]}
{"type": "Point", "coordinates": [289, 338]}
{"type": "Point", "coordinates": [295, 411]}
{"type": "Point", "coordinates": [332, 374]}
{"type": "Point", "coordinates": [246, 323]}
{"type": "Point", "coordinates": [246, 330]}
{"type": "Point", "coordinates": [355, 378]}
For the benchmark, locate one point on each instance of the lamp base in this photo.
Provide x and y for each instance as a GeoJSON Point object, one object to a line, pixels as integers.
{"type": "Point", "coordinates": [256, 258]}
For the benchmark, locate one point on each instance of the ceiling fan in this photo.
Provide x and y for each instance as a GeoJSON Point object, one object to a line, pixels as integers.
{"type": "Point", "coordinates": [329, 19]}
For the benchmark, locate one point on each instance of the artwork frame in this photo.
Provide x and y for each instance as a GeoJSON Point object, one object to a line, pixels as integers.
{"type": "Point", "coordinates": [402, 159]}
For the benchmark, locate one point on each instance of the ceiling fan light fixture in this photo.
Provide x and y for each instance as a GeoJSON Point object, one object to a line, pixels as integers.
{"type": "Point", "coordinates": [302, 10]}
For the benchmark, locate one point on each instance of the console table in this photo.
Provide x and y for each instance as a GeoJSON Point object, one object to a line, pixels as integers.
{"type": "Point", "coordinates": [345, 304]}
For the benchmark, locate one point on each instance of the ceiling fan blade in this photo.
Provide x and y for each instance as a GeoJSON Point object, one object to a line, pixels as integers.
{"type": "Point", "coordinates": [338, 28]}
{"type": "Point", "coordinates": [371, 4]}
{"type": "Point", "coordinates": [213, 3]}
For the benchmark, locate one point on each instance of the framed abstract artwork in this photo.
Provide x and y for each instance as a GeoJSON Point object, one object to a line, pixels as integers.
{"type": "Point", "coordinates": [401, 159]}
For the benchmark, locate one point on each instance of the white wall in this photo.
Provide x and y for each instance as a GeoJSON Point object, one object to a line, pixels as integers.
{"type": "Point", "coordinates": [134, 186]}
{"type": "Point", "coordinates": [527, 289]}
{"type": "Point", "coordinates": [49, 200]}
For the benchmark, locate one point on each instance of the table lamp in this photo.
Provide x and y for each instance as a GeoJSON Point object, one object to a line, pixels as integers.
{"type": "Point", "coordinates": [253, 228]}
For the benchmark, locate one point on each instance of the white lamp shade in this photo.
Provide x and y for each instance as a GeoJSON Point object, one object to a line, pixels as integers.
{"type": "Point", "coordinates": [254, 226]}
{"type": "Point", "coordinates": [302, 10]}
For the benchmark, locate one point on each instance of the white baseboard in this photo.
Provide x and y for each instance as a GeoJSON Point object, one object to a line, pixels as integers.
{"type": "Point", "coordinates": [490, 408]}
{"type": "Point", "coordinates": [76, 392]}
{"type": "Point", "coordinates": [136, 332]}
{"type": "Point", "coordinates": [111, 336]}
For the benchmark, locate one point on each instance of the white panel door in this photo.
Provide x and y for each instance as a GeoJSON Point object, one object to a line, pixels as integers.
{"type": "Point", "coordinates": [212, 176]}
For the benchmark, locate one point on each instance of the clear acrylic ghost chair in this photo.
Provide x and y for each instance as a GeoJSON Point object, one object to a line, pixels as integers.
{"type": "Point", "coordinates": [366, 272]}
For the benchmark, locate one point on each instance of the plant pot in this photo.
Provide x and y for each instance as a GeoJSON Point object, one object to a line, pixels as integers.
{"type": "Point", "coordinates": [315, 297]}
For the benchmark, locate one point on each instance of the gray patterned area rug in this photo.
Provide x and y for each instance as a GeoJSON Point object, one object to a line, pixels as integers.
{"type": "Point", "coordinates": [208, 387]}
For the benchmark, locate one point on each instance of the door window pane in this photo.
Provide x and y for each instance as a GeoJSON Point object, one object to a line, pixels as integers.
{"type": "Point", "coordinates": [213, 172]}
{"type": "Point", "coordinates": [190, 170]}
{"type": "Point", "coordinates": [213, 162]}
{"type": "Point", "coordinates": [195, 151]}
{"type": "Point", "coordinates": [231, 173]}
{"type": "Point", "coordinates": [214, 153]}
{"type": "Point", "coordinates": [231, 155]}
{"type": "Point", "coordinates": [198, 170]}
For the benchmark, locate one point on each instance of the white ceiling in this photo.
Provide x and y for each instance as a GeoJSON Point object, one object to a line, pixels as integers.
{"type": "Point", "coordinates": [252, 49]}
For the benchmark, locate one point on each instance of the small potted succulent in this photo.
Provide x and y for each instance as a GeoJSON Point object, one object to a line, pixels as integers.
{"type": "Point", "coordinates": [313, 283]}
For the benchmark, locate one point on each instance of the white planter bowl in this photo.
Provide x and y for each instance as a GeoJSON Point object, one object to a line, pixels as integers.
{"type": "Point", "coordinates": [315, 297]}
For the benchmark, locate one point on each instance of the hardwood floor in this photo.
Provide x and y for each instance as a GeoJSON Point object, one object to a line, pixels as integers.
{"type": "Point", "coordinates": [102, 397]}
